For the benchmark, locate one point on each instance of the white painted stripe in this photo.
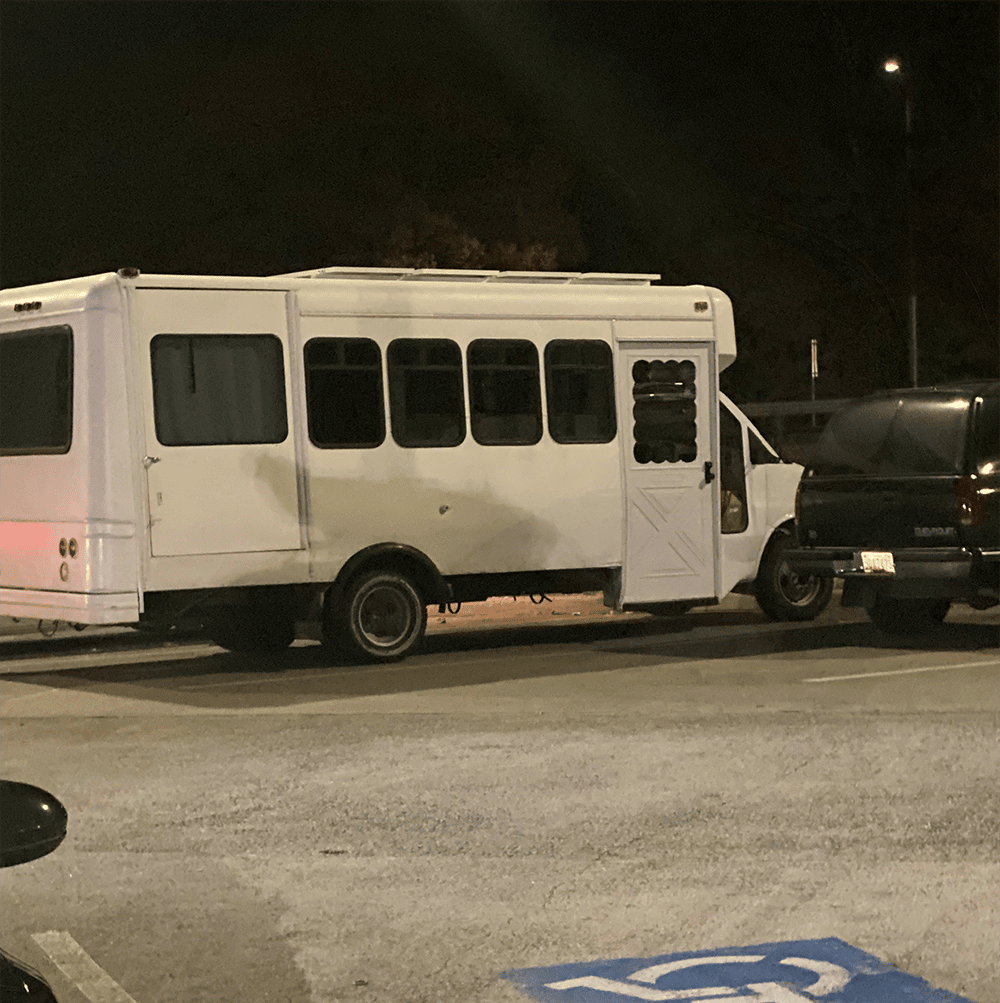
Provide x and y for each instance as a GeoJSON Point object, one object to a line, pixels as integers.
{"type": "Point", "coordinates": [646, 993]}
{"type": "Point", "coordinates": [831, 976]}
{"type": "Point", "coordinates": [653, 973]}
{"type": "Point", "coordinates": [898, 672]}
{"type": "Point", "coordinates": [80, 968]}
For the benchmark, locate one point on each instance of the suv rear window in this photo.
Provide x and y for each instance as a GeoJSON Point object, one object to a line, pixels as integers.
{"type": "Point", "coordinates": [894, 438]}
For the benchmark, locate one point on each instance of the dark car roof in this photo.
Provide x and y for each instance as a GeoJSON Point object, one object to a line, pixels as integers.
{"type": "Point", "coordinates": [965, 388]}
{"type": "Point", "coordinates": [973, 386]}
{"type": "Point", "coordinates": [962, 386]}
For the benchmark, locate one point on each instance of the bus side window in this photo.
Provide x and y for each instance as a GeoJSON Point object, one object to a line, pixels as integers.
{"type": "Point", "coordinates": [344, 400]}
{"type": "Point", "coordinates": [734, 481]}
{"type": "Point", "coordinates": [426, 393]}
{"type": "Point", "coordinates": [579, 385]}
{"type": "Point", "coordinates": [505, 401]}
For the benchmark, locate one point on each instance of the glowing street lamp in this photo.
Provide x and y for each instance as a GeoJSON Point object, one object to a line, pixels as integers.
{"type": "Point", "coordinates": [895, 67]}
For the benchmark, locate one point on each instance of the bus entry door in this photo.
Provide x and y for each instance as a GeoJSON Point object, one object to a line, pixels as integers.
{"type": "Point", "coordinates": [667, 419]}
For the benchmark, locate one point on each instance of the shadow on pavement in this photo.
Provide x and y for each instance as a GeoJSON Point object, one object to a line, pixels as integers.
{"type": "Point", "coordinates": [307, 673]}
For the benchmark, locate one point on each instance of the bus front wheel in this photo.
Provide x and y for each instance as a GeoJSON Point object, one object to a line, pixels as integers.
{"type": "Point", "coordinates": [380, 617]}
{"type": "Point", "coordinates": [780, 592]}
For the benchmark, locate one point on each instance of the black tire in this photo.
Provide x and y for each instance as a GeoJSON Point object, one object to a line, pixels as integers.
{"type": "Point", "coordinates": [20, 982]}
{"type": "Point", "coordinates": [784, 595]}
{"type": "Point", "coordinates": [900, 617]}
{"type": "Point", "coordinates": [252, 633]}
{"type": "Point", "coordinates": [380, 617]}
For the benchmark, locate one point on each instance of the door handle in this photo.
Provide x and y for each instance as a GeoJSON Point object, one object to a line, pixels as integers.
{"type": "Point", "coordinates": [709, 475]}
{"type": "Point", "coordinates": [148, 461]}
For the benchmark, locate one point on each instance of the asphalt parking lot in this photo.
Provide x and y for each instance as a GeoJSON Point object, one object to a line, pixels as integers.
{"type": "Point", "coordinates": [570, 792]}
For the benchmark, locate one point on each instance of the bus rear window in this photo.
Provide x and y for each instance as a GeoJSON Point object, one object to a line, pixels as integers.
{"type": "Point", "coordinates": [36, 390]}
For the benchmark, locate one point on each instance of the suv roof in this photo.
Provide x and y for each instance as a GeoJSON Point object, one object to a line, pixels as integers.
{"type": "Point", "coordinates": [974, 386]}
{"type": "Point", "coordinates": [970, 388]}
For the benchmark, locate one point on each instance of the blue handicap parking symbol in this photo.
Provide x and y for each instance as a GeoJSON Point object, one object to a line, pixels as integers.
{"type": "Point", "coordinates": [791, 971]}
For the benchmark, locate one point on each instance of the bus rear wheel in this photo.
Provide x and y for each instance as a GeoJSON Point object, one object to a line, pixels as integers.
{"type": "Point", "coordinates": [380, 617]}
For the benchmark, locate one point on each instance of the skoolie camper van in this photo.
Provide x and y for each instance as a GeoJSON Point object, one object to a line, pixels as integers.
{"type": "Point", "coordinates": [349, 446]}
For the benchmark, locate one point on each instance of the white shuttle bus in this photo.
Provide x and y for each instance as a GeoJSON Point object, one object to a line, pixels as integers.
{"type": "Point", "coordinates": [345, 447]}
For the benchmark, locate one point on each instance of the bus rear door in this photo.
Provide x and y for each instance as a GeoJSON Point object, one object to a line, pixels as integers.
{"type": "Point", "coordinates": [219, 446]}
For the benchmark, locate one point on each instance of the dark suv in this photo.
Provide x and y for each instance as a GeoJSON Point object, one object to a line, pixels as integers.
{"type": "Point", "coordinates": [900, 499]}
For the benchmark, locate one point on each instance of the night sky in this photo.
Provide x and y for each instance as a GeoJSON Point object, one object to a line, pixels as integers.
{"type": "Point", "coordinates": [758, 147]}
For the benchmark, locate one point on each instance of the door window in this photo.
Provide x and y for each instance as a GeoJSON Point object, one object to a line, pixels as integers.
{"type": "Point", "coordinates": [218, 389]}
{"type": "Point", "coordinates": [733, 473]}
{"type": "Point", "coordinates": [665, 411]}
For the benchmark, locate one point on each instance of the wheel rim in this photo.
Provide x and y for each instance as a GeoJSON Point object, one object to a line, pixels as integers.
{"type": "Point", "coordinates": [799, 590]}
{"type": "Point", "coordinates": [384, 617]}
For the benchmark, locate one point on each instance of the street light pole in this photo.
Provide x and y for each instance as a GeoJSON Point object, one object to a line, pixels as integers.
{"type": "Point", "coordinates": [893, 66]}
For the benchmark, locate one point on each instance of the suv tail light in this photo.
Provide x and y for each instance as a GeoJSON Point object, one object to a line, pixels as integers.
{"type": "Point", "coordinates": [798, 504]}
{"type": "Point", "coordinates": [970, 502]}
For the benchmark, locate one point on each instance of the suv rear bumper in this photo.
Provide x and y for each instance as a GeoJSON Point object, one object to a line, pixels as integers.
{"type": "Point", "coordinates": [843, 562]}
{"type": "Point", "coordinates": [945, 572]}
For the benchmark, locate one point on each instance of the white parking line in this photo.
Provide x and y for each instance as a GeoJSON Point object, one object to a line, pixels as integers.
{"type": "Point", "coordinates": [80, 968]}
{"type": "Point", "coordinates": [898, 672]}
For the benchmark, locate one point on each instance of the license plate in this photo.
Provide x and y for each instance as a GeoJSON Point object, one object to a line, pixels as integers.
{"type": "Point", "coordinates": [878, 560]}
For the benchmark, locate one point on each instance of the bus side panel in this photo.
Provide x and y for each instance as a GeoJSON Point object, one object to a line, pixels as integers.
{"type": "Point", "coordinates": [470, 508]}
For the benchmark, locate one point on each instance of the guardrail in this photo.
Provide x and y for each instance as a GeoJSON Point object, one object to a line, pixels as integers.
{"type": "Point", "coordinates": [781, 409]}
